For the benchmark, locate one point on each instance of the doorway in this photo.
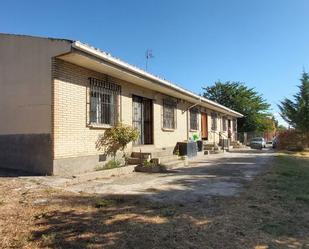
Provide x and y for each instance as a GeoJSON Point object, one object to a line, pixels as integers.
{"type": "Point", "coordinates": [229, 131]}
{"type": "Point", "coordinates": [204, 125]}
{"type": "Point", "coordinates": [143, 119]}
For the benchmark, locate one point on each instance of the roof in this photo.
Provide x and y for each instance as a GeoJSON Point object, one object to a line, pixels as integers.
{"type": "Point", "coordinates": [38, 37]}
{"type": "Point", "coordinates": [108, 57]}
{"type": "Point", "coordinates": [138, 71]}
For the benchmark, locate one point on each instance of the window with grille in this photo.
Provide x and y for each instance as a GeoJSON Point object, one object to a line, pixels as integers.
{"type": "Point", "coordinates": [235, 125]}
{"type": "Point", "coordinates": [214, 121]}
{"type": "Point", "coordinates": [104, 102]}
{"type": "Point", "coordinates": [224, 124]}
{"type": "Point", "coordinates": [194, 119]}
{"type": "Point", "coordinates": [169, 114]}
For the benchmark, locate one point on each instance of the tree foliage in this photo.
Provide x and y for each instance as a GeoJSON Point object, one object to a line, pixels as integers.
{"type": "Point", "coordinates": [281, 128]}
{"type": "Point", "coordinates": [240, 98]}
{"type": "Point", "coordinates": [296, 113]}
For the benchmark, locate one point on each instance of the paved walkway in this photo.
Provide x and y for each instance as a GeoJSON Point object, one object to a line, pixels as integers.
{"type": "Point", "coordinates": [215, 175]}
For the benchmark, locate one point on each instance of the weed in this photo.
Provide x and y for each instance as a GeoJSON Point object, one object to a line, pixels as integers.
{"type": "Point", "coordinates": [277, 229]}
{"type": "Point", "coordinates": [148, 164]}
{"type": "Point", "coordinates": [104, 203]}
{"type": "Point", "coordinates": [110, 165]}
{"type": "Point", "coordinates": [167, 212]}
{"type": "Point", "coordinates": [48, 239]}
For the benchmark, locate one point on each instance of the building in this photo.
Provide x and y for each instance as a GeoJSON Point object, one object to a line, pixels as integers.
{"type": "Point", "coordinates": [58, 96]}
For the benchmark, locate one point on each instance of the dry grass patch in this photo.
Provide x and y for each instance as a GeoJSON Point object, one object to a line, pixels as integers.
{"type": "Point", "coordinates": [271, 213]}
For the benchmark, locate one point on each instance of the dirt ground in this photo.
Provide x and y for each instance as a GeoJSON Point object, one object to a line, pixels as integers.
{"type": "Point", "coordinates": [242, 200]}
{"type": "Point", "coordinates": [215, 175]}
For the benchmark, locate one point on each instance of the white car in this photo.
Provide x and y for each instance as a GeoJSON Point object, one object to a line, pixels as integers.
{"type": "Point", "coordinates": [258, 143]}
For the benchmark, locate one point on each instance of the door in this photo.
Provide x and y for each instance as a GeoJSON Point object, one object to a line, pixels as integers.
{"type": "Point", "coordinates": [229, 130]}
{"type": "Point", "coordinates": [142, 119]}
{"type": "Point", "coordinates": [204, 125]}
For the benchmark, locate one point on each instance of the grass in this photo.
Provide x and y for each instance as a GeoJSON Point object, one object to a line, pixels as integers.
{"type": "Point", "coordinates": [287, 187]}
{"type": "Point", "coordinates": [112, 164]}
{"type": "Point", "coordinates": [272, 212]}
{"type": "Point", "coordinates": [290, 176]}
{"type": "Point", "coordinates": [104, 203]}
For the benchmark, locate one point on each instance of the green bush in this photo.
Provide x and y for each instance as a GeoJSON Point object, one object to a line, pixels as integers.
{"type": "Point", "coordinates": [148, 164]}
{"type": "Point", "coordinates": [117, 138]}
{"type": "Point", "coordinates": [112, 164]}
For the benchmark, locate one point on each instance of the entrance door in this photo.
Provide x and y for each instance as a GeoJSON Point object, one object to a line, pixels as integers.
{"type": "Point", "coordinates": [142, 119]}
{"type": "Point", "coordinates": [204, 125]}
{"type": "Point", "coordinates": [229, 131]}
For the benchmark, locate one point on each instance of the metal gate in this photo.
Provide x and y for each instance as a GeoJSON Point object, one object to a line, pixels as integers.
{"type": "Point", "coordinates": [142, 119]}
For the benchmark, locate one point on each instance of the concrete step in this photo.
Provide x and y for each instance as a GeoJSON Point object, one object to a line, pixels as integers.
{"type": "Point", "coordinates": [208, 147]}
{"type": "Point", "coordinates": [166, 159]}
{"type": "Point", "coordinates": [174, 164]}
{"type": "Point", "coordinates": [211, 152]}
{"type": "Point", "coordinates": [162, 152]}
{"type": "Point", "coordinates": [134, 160]}
{"type": "Point", "coordinates": [154, 153]}
{"type": "Point", "coordinates": [141, 155]}
{"type": "Point", "coordinates": [239, 146]}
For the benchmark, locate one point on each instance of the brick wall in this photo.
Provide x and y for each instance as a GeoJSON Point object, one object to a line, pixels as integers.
{"type": "Point", "coordinates": [72, 137]}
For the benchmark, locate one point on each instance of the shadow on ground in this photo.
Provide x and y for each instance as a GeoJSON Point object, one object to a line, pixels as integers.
{"type": "Point", "coordinates": [118, 221]}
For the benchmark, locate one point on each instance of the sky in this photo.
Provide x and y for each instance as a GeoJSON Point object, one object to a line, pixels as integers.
{"type": "Point", "coordinates": [263, 43]}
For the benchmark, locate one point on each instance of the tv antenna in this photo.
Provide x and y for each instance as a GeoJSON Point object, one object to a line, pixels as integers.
{"type": "Point", "coordinates": [149, 55]}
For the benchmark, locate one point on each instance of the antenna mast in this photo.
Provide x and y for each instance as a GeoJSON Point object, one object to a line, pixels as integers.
{"type": "Point", "coordinates": [149, 55]}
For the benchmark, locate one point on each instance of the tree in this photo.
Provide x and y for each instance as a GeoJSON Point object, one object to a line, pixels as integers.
{"type": "Point", "coordinates": [269, 124]}
{"type": "Point", "coordinates": [240, 98]}
{"type": "Point", "coordinates": [281, 128]}
{"type": "Point", "coordinates": [296, 113]}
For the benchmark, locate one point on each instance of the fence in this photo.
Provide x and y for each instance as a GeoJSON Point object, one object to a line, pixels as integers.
{"type": "Point", "coordinates": [246, 137]}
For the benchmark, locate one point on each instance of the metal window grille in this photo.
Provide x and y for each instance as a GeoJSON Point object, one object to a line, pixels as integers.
{"type": "Point", "coordinates": [193, 119]}
{"type": "Point", "coordinates": [169, 114]}
{"type": "Point", "coordinates": [214, 121]}
{"type": "Point", "coordinates": [235, 125]}
{"type": "Point", "coordinates": [224, 121]}
{"type": "Point", "coordinates": [104, 101]}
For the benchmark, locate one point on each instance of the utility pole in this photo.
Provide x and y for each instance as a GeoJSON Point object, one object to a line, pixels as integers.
{"type": "Point", "coordinates": [148, 55]}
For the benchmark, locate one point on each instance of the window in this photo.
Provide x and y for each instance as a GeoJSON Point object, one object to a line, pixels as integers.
{"type": "Point", "coordinates": [214, 121]}
{"type": "Point", "coordinates": [224, 124]}
{"type": "Point", "coordinates": [193, 119]}
{"type": "Point", "coordinates": [235, 125]}
{"type": "Point", "coordinates": [104, 102]}
{"type": "Point", "coordinates": [169, 114]}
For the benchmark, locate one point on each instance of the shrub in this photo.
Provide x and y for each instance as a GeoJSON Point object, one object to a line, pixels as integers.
{"type": "Point", "coordinates": [291, 140]}
{"type": "Point", "coordinates": [117, 138]}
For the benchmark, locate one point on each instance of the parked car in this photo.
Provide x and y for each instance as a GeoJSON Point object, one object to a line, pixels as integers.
{"type": "Point", "coordinates": [258, 143]}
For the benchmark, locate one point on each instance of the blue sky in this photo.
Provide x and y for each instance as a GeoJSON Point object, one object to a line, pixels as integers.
{"type": "Point", "coordinates": [264, 43]}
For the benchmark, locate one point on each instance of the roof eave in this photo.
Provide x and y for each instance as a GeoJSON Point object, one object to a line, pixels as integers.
{"type": "Point", "coordinates": [102, 55]}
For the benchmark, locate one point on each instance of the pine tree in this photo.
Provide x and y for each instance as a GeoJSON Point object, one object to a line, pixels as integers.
{"type": "Point", "coordinates": [296, 112]}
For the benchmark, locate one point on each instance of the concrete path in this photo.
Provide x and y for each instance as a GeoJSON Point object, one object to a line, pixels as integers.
{"type": "Point", "coordinates": [214, 175]}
